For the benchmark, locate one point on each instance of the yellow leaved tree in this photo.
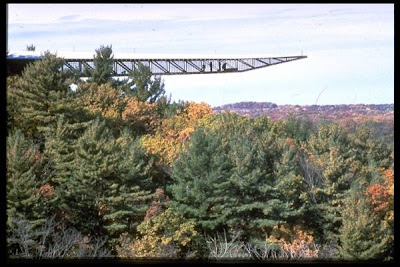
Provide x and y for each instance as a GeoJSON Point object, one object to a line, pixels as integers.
{"type": "Point", "coordinates": [169, 139]}
{"type": "Point", "coordinates": [295, 242]}
{"type": "Point", "coordinates": [141, 117]}
{"type": "Point", "coordinates": [102, 99]}
{"type": "Point", "coordinates": [167, 235]}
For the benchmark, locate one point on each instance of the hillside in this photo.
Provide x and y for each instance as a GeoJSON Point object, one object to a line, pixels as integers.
{"type": "Point", "coordinates": [326, 112]}
{"type": "Point", "coordinates": [378, 117]}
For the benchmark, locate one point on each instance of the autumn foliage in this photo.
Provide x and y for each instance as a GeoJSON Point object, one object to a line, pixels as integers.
{"type": "Point", "coordinates": [378, 195]}
{"type": "Point", "coordinates": [294, 241]}
{"type": "Point", "coordinates": [381, 197]}
{"type": "Point", "coordinates": [141, 116]}
{"type": "Point", "coordinates": [142, 177]}
{"type": "Point", "coordinates": [102, 100]}
{"type": "Point", "coordinates": [167, 235]}
{"type": "Point", "coordinates": [169, 140]}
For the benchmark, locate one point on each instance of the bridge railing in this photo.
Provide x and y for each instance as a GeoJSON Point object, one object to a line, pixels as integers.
{"type": "Point", "coordinates": [173, 66]}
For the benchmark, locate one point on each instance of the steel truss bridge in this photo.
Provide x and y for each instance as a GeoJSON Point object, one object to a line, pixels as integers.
{"type": "Point", "coordinates": [122, 67]}
{"type": "Point", "coordinates": [166, 66]}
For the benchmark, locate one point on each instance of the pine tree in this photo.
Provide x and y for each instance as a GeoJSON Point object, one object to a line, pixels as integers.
{"type": "Point", "coordinates": [201, 186]}
{"type": "Point", "coordinates": [103, 65]}
{"type": "Point", "coordinates": [60, 150]}
{"type": "Point", "coordinates": [14, 115]}
{"type": "Point", "coordinates": [144, 86]}
{"type": "Point", "coordinates": [109, 190]}
{"type": "Point", "coordinates": [363, 235]}
{"type": "Point", "coordinates": [259, 189]}
{"type": "Point", "coordinates": [127, 194]}
{"type": "Point", "coordinates": [368, 155]}
{"type": "Point", "coordinates": [30, 47]}
{"type": "Point", "coordinates": [294, 190]}
{"type": "Point", "coordinates": [257, 204]}
{"type": "Point", "coordinates": [298, 129]}
{"type": "Point", "coordinates": [268, 188]}
{"type": "Point", "coordinates": [22, 180]}
{"type": "Point", "coordinates": [40, 94]}
{"type": "Point", "coordinates": [328, 148]}
{"type": "Point", "coordinates": [94, 164]}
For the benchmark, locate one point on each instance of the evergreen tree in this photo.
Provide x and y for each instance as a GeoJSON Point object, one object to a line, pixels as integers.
{"type": "Point", "coordinates": [363, 235]}
{"type": "Point", "coordinates": [94, 163]}
{"type": "Point", "coordinates": [22, 180]}
{"type": "Point", "coordinates": [30, 47]}
{"type": "Point", "coordinates": [103, 65]}
{"type": "Point", "coordinates": [201, 187]}
{"type": "Point", "coordinates": [60, 162]}
{"type": "Point", "coordinates": [368, 156]}
{"type": "Point", "coordinates": [291, 184]}
{"type": "Point", "coordinates": [107, 192]}
{"type": "Point", "coordinates": [144, 86]}
{"type": "Point", "coordinates": [257, 204]}
{"type": "Point", "coordinates": [260, 186]}
{"type": "Point", "coordinates": [328, 148]}
{"type": "Point", "coordinates": [167, 108]}
{"type": "Point", "coordinates": [40, 94]}
{"type": "Point", "coordinates": [268, 189]}
{"type": "Point", "coordinates": [14, 114]}
{"type": "Point", "coordinates": [127, 194]}
{"type": "Point", "coordinates": [298, 129]}
{"type": "Point", "coordinates": [60, 150]}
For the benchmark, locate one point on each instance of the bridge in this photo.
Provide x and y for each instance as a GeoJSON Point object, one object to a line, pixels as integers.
{"type": "Point", "coordinates": [79, 63]}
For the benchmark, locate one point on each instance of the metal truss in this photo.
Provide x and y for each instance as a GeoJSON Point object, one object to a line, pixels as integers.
{"type": "Point", "coordinates": [122, 67]}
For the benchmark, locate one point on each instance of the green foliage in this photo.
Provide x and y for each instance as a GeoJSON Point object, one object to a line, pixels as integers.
{"type": "Point", "coordinates": [23, 165]}
{"type": "Point", "coordinates": [59, 155]}
{"type": "Point", "coordinates": [93, 164]}
{"type": "Point", "coordinates": [327, 150]}
{"type": "Point", "coordinates": [127, 195]}
{"type": "Point", "coordinates": [167, 235]}
{"type": "Point", "coordinates": [227, 124]}
{"type": "Point", "coordinates": [341, 161]}
{"type": "Point", "coordinates": [144, 87]}
{"type": "Point", "coordinates": [103, 65]}
{"type": "Point", "coordinates": [108, 187]}
{"type": "Point", "coordinates": [291, 184]}
{"type": "Point", "coordinates": [92, 158]}
{"type": "Point", "coordinates": [60, 149]}
{"type": "Point", "coordinates": [39, 94]}
{"type": "Point", "coordinates": [30, 47]}
{"type": "Point", "coordinates": [298, 129]}
{"type": "Point", "coordinates": [14, 114]}
{"type": "Point", "coordinates": [257, 204]}
{"type": "Point", "coordinates": [368, 156]}
{"type": "Point", "coordinates": [363, 235]}
{"type": "Point", "coordinates": [168, 109]}
{"type": "Point", "coordinates": [238, 176]}
{"type": "Point", "coordinates": [200, 181]}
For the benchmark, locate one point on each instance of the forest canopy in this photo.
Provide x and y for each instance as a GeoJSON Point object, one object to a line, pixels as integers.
{"type": "Point", "coordinates": [115, 169]}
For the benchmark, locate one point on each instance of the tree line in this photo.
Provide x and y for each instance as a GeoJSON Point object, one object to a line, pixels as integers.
{"type": "Point", "coordinates": [116, 169]}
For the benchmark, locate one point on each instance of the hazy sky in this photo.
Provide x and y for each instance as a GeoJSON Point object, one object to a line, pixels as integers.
{"type": "Point", "coordinates": [350, 47]}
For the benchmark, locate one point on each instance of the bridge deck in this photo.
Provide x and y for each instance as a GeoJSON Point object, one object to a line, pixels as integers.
{"type": "Point", "coordinates": [162, 65]}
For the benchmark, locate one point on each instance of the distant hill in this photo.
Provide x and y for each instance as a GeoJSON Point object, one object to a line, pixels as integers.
{"type": "Point", "coordinates": [378, 117]}
{"type": "Point", "coordinates": [327, 112]}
